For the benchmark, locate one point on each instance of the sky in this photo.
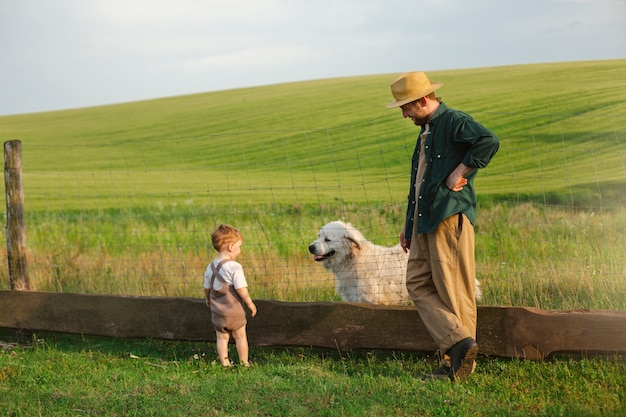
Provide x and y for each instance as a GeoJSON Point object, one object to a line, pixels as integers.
{"type": "Point", "coordinates": [61, 54]}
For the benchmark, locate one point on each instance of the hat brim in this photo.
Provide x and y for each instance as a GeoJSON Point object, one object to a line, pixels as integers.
{"type": "Point", "coordinates": [435, 86]}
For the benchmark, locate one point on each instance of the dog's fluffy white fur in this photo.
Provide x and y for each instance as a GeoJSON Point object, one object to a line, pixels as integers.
{"type": "Point", "coordinates": [364, 272]}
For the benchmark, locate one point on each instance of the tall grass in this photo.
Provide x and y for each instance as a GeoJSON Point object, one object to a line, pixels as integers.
{"type": "Point", "coordinates": [527, 254]}
{"type": "Point", "coordinates": [533, 255]}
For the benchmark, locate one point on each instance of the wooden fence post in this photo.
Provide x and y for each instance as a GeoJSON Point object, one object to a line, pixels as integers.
{"type": "Point", "coordinates": [16, 234]}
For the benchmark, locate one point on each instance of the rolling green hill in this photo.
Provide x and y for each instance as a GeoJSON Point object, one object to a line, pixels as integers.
{"type": "Point", "coordinates": [122, 199]}
{"type": "Point", "coordinates": [562, 128]}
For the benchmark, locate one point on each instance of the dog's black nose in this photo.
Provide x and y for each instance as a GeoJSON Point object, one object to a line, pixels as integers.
{"type": "Point", "coordinates": [312, 248]}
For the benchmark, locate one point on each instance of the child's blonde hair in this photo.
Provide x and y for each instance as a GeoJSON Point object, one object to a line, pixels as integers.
{"type": "Point", "coordinates": [223, 235]}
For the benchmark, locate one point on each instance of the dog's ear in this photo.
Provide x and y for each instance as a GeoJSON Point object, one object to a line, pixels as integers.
{"type": "Point", "coordinates": [353, 242]}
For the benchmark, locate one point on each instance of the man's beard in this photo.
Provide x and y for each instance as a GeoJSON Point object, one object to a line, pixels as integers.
{"type": "Point", "coordinates": [420, 121]}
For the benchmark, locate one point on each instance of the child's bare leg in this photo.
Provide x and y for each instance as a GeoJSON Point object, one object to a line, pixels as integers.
{"type": "Point", "coordinates": [241, 341]}
{"type": "Point", "coordinates": [221, 344]}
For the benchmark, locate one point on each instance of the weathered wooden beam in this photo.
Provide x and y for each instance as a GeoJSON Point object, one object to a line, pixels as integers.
{"type": "Point", "coordinates": [502, 331]}
{"type": "Point", "coordinates": [533, 333]}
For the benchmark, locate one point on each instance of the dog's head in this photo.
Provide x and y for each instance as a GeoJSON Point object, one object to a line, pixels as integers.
{"type": "Point", "coordinates": [335, 242]}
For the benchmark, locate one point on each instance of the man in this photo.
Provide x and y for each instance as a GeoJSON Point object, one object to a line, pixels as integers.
{"type": "Point", "coordinates": [438, 231]}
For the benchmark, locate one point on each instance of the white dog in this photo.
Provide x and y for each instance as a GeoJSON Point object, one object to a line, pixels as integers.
{"type": "Point", "coordinates": [364, 272]}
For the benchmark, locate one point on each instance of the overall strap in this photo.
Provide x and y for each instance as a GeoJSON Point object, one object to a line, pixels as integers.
{"type": "Point", "coordinates": [216, 272]}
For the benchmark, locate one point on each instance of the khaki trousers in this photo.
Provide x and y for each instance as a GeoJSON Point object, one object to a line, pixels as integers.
{"type": "Point", "coordinates": [440, 279]}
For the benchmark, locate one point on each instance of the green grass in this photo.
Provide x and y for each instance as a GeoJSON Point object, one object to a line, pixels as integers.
{"type": "Point", "coordinates": [527, 254]}
{"type": "Point", "coordinates": [561, 127]}
{"type": "Point", "coordinates": [63, 375]}
{"type": "Point", "coordinates": [121, 199]}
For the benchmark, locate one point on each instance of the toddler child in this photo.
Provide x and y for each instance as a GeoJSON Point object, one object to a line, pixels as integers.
{"type": "Point", "coordinates": [226, 292]}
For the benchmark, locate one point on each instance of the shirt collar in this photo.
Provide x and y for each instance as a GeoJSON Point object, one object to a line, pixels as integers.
{"type": "Point", "coordinates": [442, 107]}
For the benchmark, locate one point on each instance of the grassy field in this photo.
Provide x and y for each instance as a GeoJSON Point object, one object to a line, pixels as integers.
{"type": "Point", "coordinates": [121, 199]}
{"type": "Point", "coordinates": [562, 134]}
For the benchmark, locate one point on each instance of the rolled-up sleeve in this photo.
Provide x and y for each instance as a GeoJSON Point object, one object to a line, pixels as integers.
{"type": "Point", "coordinates": [483, 143]}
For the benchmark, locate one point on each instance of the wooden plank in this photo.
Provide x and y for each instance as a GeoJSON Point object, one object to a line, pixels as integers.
{"type": "Point", "coordinates": [101, 315]}
{"type": "Point", "coordinates": [339, 325]}
{"type": "Point", "coordinates": [533, 333]}
{"type": "Point", "coordinates": [502, 331]}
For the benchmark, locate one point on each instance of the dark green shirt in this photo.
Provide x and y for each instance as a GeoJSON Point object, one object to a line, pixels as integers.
{"type": "Point", "coordinates": [454, 137]}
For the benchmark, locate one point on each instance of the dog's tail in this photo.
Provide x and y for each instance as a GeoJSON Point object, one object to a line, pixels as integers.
{"type": "Point", "coordinates": [478, 293]}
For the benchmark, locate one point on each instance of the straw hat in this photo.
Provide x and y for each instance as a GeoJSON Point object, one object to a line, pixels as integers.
{"type": "Point", "coordinates": [411, 86]}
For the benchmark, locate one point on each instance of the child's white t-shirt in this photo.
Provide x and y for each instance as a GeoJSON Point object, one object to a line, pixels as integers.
{"type": "Point", "coordinates": [231, 271]}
